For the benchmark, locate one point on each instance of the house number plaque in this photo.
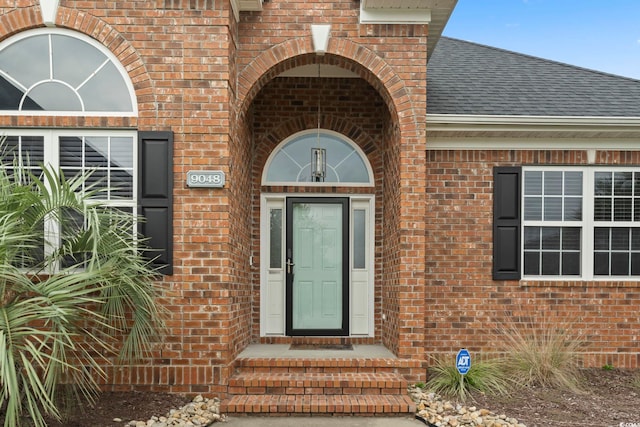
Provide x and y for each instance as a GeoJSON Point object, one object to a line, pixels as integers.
{"type": "Point", "coordinates": [205, 179]}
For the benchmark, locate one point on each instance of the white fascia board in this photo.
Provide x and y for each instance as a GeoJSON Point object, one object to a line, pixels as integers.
{"type": "Point", "coordinates": [506, 143]}
{"type": "Point", "coordinates": [394, 16]}
{"type": "Point", "coordinates": [238, 6]}
{"type": "Point", "coordinates": [447, 131]}
{"type": "Point", "coordinates": [235, 8]}
{"type": "Point", "coordinates": [468, 123]}
{"type": "Point", "coordinates": [250, 5]}
{"type": "Point", "coordinates": [464, 120]}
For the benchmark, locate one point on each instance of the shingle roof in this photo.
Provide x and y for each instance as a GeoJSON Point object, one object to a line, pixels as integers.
{"type": "Point", "coordinates": [472, 79]}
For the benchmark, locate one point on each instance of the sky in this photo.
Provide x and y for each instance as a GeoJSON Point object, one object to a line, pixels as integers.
{"type": "Point", "coordinates": [602, 35]}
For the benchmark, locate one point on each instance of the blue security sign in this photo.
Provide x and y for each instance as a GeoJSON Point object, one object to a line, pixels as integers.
{"type": "Point", "coordinates": [463, 361]}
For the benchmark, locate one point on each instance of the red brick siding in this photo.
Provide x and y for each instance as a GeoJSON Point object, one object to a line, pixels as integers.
{"type": "Point", "coordinates": [348, 106]}
{"type": "Point", "coordinates": [197, 72]}
{"type": "Point", "coordinates": [178, 60]}
{"type": "Point", "coordinates": [464, 305]}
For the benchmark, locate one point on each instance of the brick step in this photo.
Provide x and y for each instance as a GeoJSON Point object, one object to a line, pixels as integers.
{"type": "Point", "coordinates": [347, 383]}
{"type": "Point", "coordinates": [410, 369]}
{"type": "Point", "coordinates": [389, 405]}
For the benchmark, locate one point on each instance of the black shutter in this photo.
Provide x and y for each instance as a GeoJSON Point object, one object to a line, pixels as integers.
{"type": "Point", "coordinates": [506, 223]}
{"type": "Point", "coordinates": [155, 196]}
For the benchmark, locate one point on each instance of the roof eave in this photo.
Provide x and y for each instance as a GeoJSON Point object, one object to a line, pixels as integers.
{"type": "Point", "coordinates": [443, 125]}
{"type": "Point", "coordinates": [238, 6]}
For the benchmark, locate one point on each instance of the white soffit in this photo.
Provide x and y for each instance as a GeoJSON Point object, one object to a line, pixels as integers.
{"type": "Point", "coordinates": [434, 13]}
{"type": "Point", "coordinates": [382, 13]}
{"type": "Point", "coordinates": [245, 6]}
{"type": "Point", "coordinates": [459, 131]}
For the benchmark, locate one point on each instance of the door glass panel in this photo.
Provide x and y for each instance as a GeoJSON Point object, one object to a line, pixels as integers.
{"type": "Point", "coordinates": [317, 274]}
{"type": "Point", "coordinates": [359, 238]}
{"type": "Point", "coordinates": [275, 238]}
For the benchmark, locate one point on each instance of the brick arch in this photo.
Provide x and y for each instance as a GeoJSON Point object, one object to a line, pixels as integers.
{"type": "Point", "coordinates": [341, 52]}
{"type": "Point", "coordinates": [23, 19]}
{"type": "Point", "coordinates": [18, 20]}
{"type": "Point", "coordinates": [266, 145]}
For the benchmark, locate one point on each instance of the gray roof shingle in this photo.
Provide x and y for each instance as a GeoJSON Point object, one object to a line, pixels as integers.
{"type": "Point", "coordinates": [472, 79]}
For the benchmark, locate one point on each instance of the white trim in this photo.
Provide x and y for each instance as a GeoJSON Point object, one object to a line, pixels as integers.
{"type": "Point", "coordinates": [238, 6]}
{"type": "Point", "coordinates": [338, 135]}
{"type": "Point", "coordinates": [357, 201]}
{"type": "Point", "coordinates": [586, 225]}
{"type": "Point", "coordinates": [36, 84]}
{"type": "Point", "coordinates": [250, 5]}
{"type": "Point", "coordinates": [82, 37]}
{"type": "Point", "coordinates": [532, 143]}
{"type": "Point", "coordinates": [320, 36]}
{"type": "Point", "coordinates": [446, 126]}
{"type": "Point", "coordinates": [235, 9]}
{"type": "Point", "coordinates": [538, 120]}
{"type": "Point", "coordinates": [49, 10]}
{"type": "Point", "coordinates": [274, 326]}
{"type": "Point", "coordinates": [51, 153]}
{"type": "Point", "coordinates": [394, 16]}
{"type": "Point", "coordinates": [366, 203]}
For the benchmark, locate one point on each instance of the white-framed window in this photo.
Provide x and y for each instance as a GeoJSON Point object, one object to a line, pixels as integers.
{"type": "Point", "coordinates": [293, 163]}
{"type": "Point", "coordinates": [108, 156]}
{"type": "Point", "coordinates": [54, 71]}
{"type": "Point", "coordinates": [60, 72]}
{"type": "Point", "coordinates": [581, 222]}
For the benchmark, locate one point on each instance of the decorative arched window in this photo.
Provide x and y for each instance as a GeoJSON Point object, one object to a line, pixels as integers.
{"type": "Point", "coordinates": [317, 157]}
{"type": "Point", "coordinates": [57, 72]}
{"type": "Point", "coordinates": [60, 72]}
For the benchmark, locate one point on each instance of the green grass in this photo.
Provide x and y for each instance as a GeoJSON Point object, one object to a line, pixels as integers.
{"type": "Point", "coordinates": [485, 376]}
{"type": "Point", "coordinates": [544, 354]}
{"type": "Point", "coordinates": [635, 382]}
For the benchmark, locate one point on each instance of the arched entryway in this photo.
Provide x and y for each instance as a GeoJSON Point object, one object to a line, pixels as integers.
{"type": "Point", "coordinates": [306, 92]}
{"type": "Point", "coordinates": [316, 250]}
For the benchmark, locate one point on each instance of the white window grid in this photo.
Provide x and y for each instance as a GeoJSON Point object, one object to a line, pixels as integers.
{"type": "Point", "coordinates": [587, 224]}
{"type": "Point", "coordinates": [52, 159]}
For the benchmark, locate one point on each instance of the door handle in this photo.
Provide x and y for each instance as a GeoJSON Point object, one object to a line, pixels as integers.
{"type": "Point", "coordinates": [289, 265]}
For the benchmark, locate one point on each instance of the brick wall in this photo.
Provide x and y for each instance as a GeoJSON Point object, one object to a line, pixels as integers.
{"type": "Point", "coordinates": [465, 306]}
{"type": "Point", "coordinates": [200, 74]}
{"type": "Point", "coordinates": [391, 59]}
{"type": "Point", "coordinates": [177, 54]}
{"type": "Point", "coordinates": [347, 105]}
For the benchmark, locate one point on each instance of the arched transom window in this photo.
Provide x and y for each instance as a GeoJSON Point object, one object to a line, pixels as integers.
{"type": "Point", "coordinates": [57, 71]}
{"type": "Point", "coordinates": [318, 157]}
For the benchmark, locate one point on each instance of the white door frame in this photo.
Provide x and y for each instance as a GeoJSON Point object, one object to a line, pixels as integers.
{"type": "Point", "coordinates": [272, 280]}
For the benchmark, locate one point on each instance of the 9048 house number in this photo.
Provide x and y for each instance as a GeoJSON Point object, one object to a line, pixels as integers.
{"type": "Point", "coordinates": [206, 179]}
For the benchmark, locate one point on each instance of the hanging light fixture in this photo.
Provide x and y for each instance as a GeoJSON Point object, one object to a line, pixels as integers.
{"type": "Point", "coordinates": [318, 164]}
{"type": "Point", "coordinates": [318, 154]}
{"type": "Point", "coordinates": [320, 35]}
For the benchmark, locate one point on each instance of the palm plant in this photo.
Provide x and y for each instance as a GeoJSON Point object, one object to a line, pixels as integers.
{"type": "Point", "coordinates": [67, 310]}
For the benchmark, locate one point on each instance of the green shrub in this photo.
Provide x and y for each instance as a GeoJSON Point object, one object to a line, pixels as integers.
{"type": "Point", "coordinates": [635, 382]}
{"type": "Point", "coordinates": [486, 376]}
{"type": "Point", "coordinates": [74, 305]}
{"type": "Point", "coordinates": [544, 354]}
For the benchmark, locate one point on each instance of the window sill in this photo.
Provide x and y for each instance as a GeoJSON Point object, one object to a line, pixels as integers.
{"type": "Point", "coordinates": [580, 283]}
